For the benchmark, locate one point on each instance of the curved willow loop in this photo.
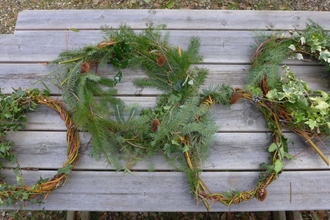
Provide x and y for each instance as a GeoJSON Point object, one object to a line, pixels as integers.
{"type": "Point", "coordinates": [73, 141]}
{"type": "Point", "coordinates": [208, 198]}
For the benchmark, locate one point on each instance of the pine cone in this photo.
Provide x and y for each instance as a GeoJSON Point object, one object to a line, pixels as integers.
{"type": "Point", "coordinates": [85, 67]}
{"type": "Point", "coordinates": [235, 97]}
{"type": "Point", "coordinates": [154, 124]}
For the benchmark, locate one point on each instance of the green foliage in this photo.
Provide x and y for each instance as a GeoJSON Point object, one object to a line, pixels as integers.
{"type": "Point", "coordinates": [286, 100]}
{"type": "Point", "coordinates": [267, 59]}
{"type": "Point", "coordinates": [118, 132]}
{"type": "Point", "coordinates": [306, 107]}
{"type": "Point", "coordinates": [221, 94]}
{"type": "Point", "coordinates": [13, 109]}
{"type": "Point", "coordinates": [12, 115]}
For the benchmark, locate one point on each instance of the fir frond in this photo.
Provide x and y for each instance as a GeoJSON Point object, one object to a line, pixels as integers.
{"type": "Point", "coordinates": [267, 59]}
{"type": "Point", "coordinates": [221, 94]}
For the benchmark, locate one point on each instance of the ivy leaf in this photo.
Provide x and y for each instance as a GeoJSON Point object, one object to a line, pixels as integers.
{"type": "Point", "coordinates": [65, 170]}
{"type": "Point", "coordinates": [185, 148]}
{"type": "Point", "coordinates": [311, 123]}
{"type": "Point", "coordinates": [170, 4]}
{"type": "Point", "coordinates": [302, 40]}
{"type": "Point", "coordinates": [278, 166]}
{"type": "Point", "coordinates": [299, 56]}
{"type": "Point", "coordinates": [288, 156]}
{"type": "Point", "coordinates": [324, 55]}
{"type": "Point", "coordinates": [292, 47]}
{"type": "Point", "coordinates": [272, 147]}
{"type": "Point", "coordinates": [271, 94]}
{"type": "Point", "coordinates": [322, 105]}
{"type": "Point", "coordinates": [8, 115]}
{"type": "Point", "coordinates": [284, 142]}
{"type": "Point", "coordinates": [174, 142]}
{"type": "Point", "coordinates": [41, 180]}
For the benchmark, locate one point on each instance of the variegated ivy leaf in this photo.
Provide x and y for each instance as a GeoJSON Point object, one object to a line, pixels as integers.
{"type": "Point", "coordinates": [302, 40]}
{"type": "Point", "coordinates": [292, 47]}
{"type": "Point", "coordinates": [324, 55]}
{"type": "Point", "coordinates": [299, 56]}
{"type": "Point", "coordinates": [311, 123]}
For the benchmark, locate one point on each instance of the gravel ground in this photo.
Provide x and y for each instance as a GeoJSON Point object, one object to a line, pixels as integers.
{"type": "Point", "coordinates": [9, 9]}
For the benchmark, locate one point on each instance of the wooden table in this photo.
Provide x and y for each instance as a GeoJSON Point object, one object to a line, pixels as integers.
{"type": "Point", "coordinates": [240, 144]}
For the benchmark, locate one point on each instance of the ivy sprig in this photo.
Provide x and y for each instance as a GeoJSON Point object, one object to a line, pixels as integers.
{"type": "Point", "coordinates": [13, 110]}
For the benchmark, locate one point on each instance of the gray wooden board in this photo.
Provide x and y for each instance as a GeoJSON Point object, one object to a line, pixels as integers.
{"type": "Point", "coordinates": [27, 75]}
{"type": "Point", "coordinates": [244, 116]}
{"type": "Point", "coordinates": [229, 151]}
{"type": "Point", "coordinates": [223, 46]}
{"type": "Point", "coordinates": [216, 46]}
{"type": "Point", "coordinates": [174, 19]}
{"type": "Point", "coordinates": [164, 191]}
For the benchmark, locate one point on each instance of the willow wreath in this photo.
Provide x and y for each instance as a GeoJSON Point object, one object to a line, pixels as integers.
{"type": "Point", "coordinates": [13, 114]}
{"type": "Point", "coordinates": [181, 125]}
{"type": "Point", "coordinates": [285, 101]}
{"type": "Point", "coordinates": [295, 105]}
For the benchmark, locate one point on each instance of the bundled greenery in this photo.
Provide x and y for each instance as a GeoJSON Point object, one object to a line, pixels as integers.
{"type": "Point", "coordinates": [296, 106]}
{"type": "Point", "coordinates": [177, 124]}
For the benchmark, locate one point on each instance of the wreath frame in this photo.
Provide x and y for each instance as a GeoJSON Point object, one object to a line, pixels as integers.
{"type": "Point", "coordinates": [262, 88]}
{"type": "Point", "coordinates": [28, 101]}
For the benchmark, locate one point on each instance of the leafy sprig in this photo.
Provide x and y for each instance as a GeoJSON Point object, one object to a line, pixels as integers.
{"type": "Point", "coordinates": [13, 108]}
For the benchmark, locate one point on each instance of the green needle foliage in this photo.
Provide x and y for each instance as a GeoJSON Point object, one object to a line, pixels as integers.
{"type": "Point", "coordinates": [179, 122]}
{"type": "Point", "coordinates": [181, 125]}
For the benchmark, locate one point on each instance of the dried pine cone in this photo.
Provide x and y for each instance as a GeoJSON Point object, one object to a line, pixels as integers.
{"type": "Point", "coordinates": [235, 97]}
{"type": "Point", "coordinates": [154, 124]}
{"type": "Point", "coordinates": [85, 67]}
{"type": "Point", "coordinates": [161, 60]}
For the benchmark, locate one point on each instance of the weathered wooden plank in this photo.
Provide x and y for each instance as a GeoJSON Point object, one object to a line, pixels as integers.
{"type": "Point", "coordinates": [230, 151]}
{"type": "Point", "coordinates": [174, 19]}
{"type": "Point", "coordinates": [217, 47]}
{"type": "Point", "coordinates": [27, 75]}
{"type": "Point", "coordinates": [140, 191]}
{"type": "Point", "coordinates": [243, 116]}
{"type": "Point", "coordinates": [220, 46]}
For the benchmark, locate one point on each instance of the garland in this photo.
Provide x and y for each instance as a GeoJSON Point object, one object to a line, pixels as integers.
{"type": "Point", "coordinates": [285, 101]}
{"type": "Point", "coordinates": [13, 109]}
{"type": "Point", "coordinates": [181, 125]}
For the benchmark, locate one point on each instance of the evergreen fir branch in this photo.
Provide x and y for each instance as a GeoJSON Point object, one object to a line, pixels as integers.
{"type": "Point", "coordinates": [267, 59]}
